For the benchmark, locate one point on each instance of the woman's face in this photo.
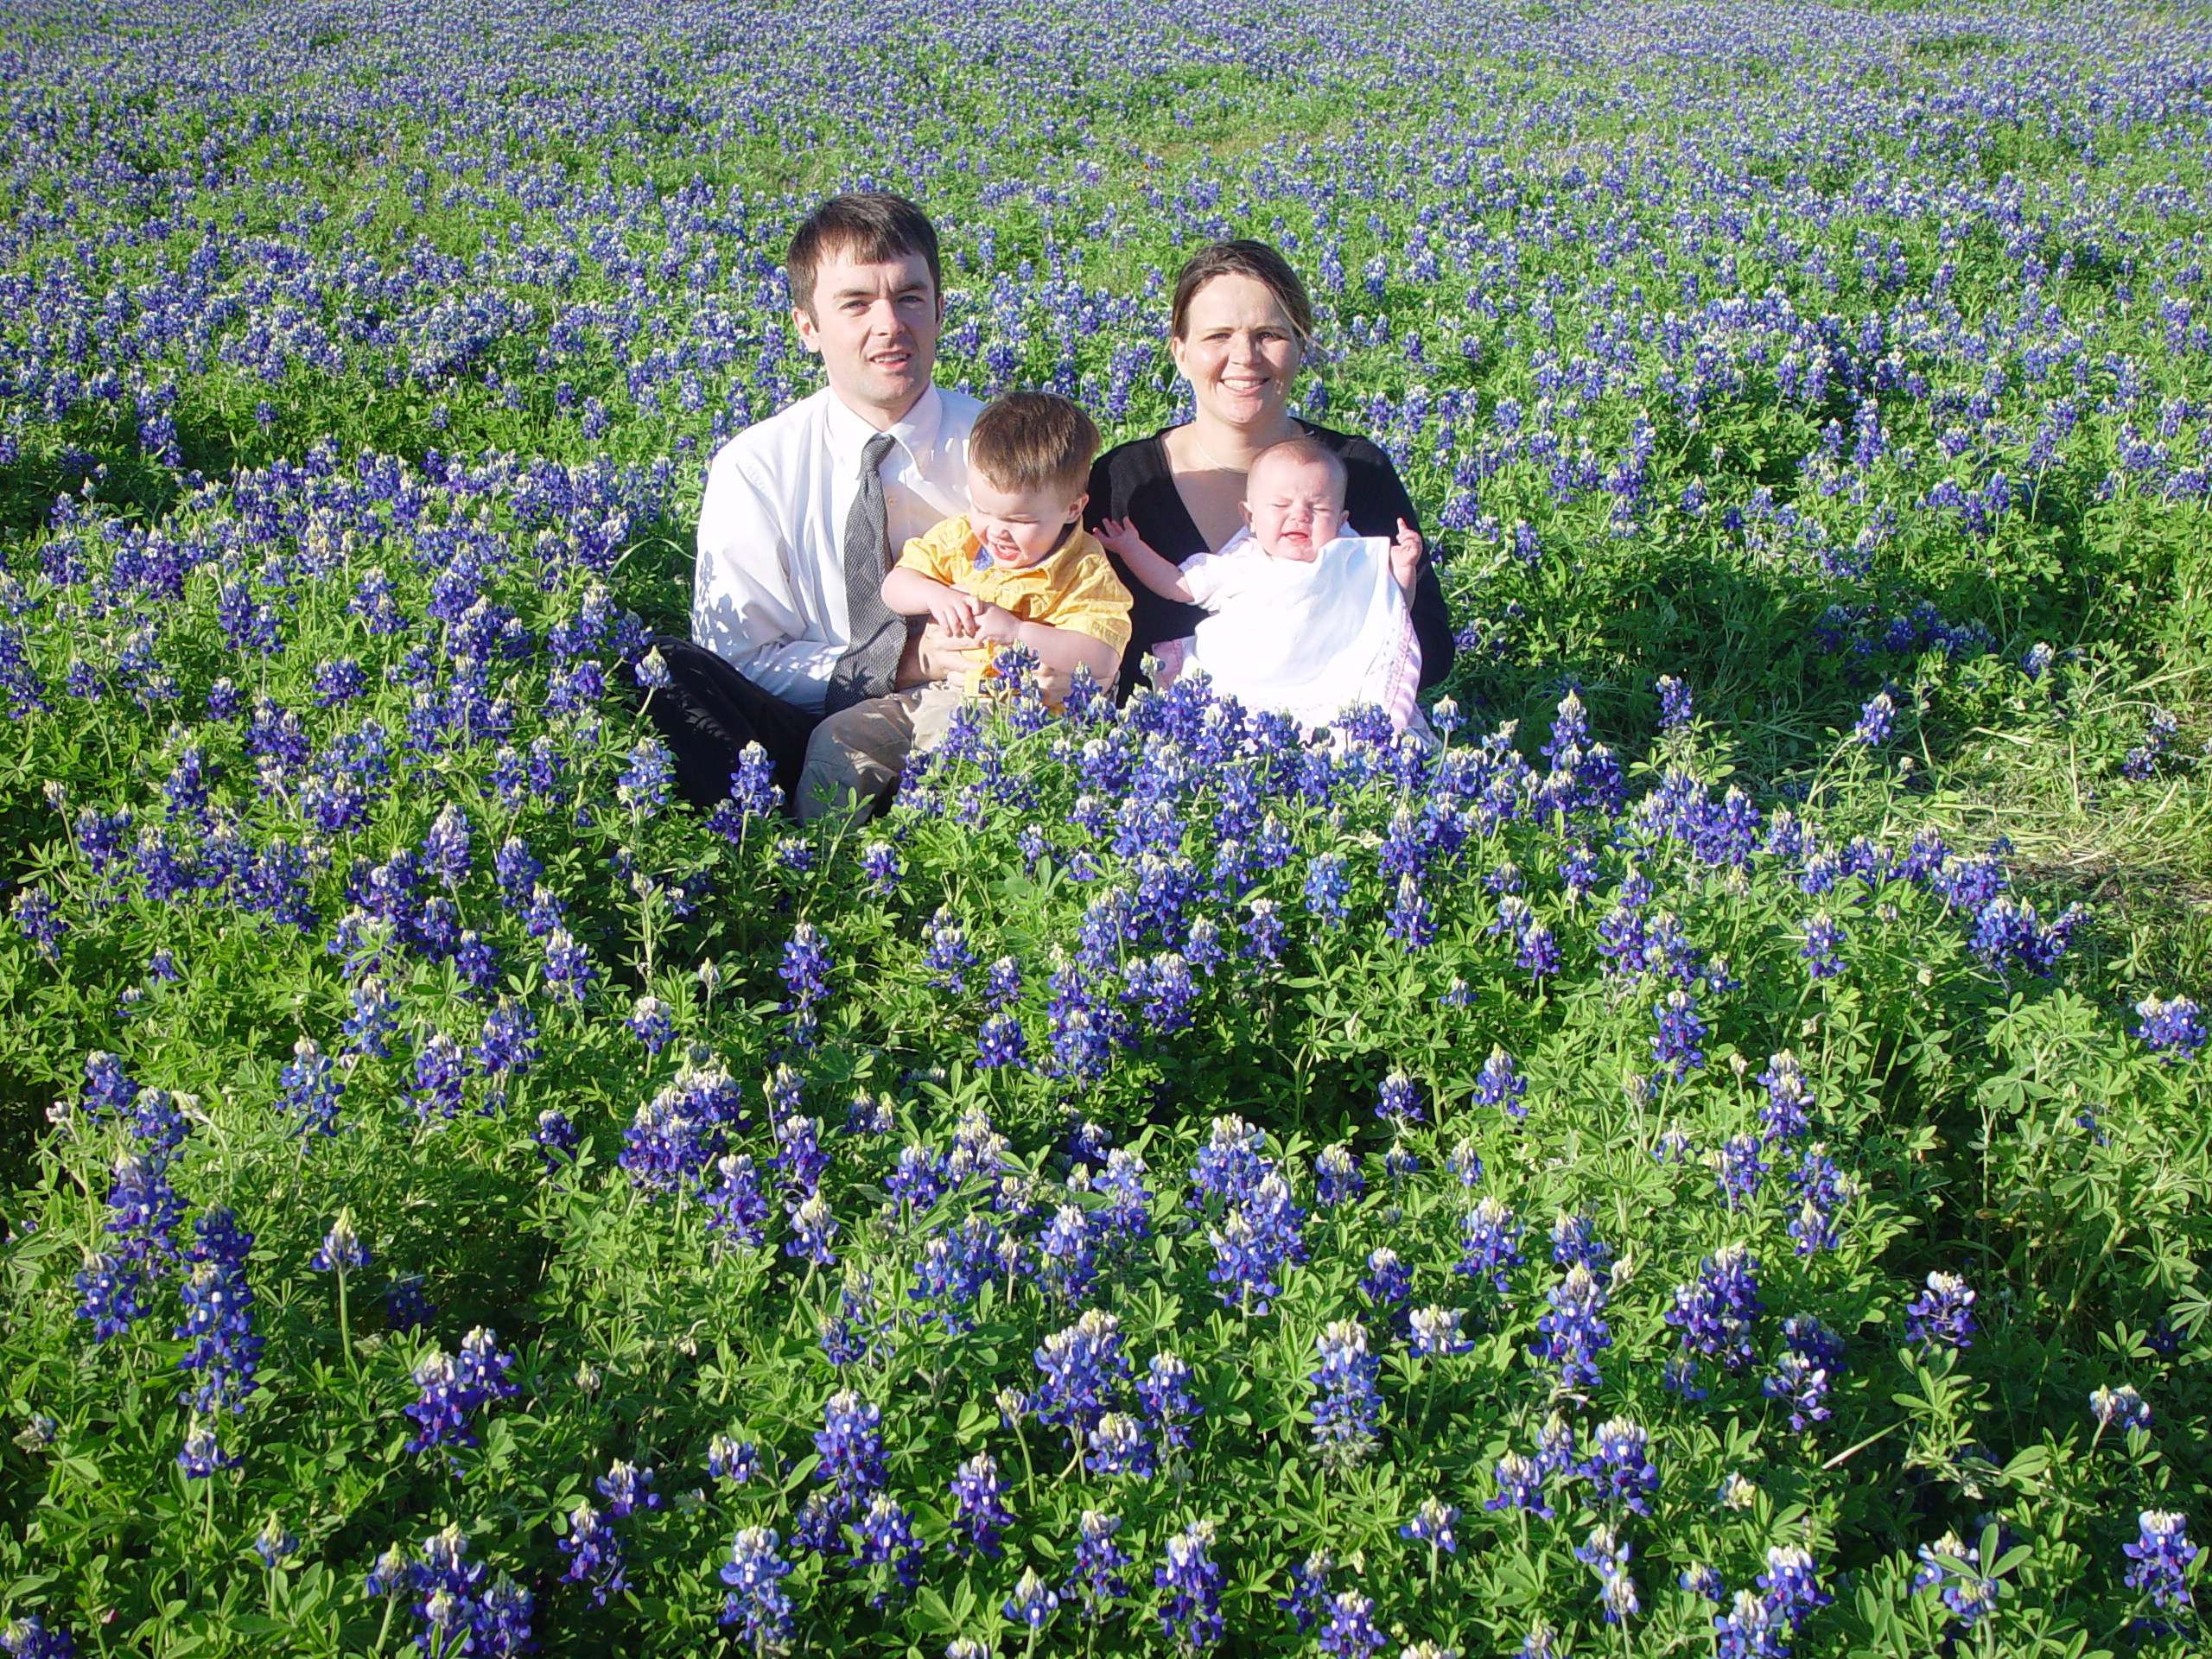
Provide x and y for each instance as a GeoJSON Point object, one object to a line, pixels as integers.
{"type": "Point", "coordinates": [1238, 351]}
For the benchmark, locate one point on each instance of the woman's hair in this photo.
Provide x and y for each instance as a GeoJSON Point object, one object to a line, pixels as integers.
{"type": "Point", "coordinates": [1242, 258]}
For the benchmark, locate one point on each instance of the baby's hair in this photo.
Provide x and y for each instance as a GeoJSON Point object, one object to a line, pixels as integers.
{"type": "Point", "coordinates": [1304, 452]}
{"type": "Point", "coordinates": [1034, 441]}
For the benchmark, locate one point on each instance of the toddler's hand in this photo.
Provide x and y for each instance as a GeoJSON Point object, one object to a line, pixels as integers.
{"type": "Point", "coordinates": [1405, 556]}
{"type": "Point", "coordinates": [998, 625]}
{"type": "Point", "coordinates": [956, 613]}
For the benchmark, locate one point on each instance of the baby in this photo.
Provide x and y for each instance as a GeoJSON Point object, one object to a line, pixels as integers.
{"type": "Point", "coordinates": [1017, 568]}
{"type": "Point", "coordinates": [1303, 619]}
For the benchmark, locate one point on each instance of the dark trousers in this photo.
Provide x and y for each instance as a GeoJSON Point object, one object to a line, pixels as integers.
{"type": "Point", "coordinates": [708, 712]}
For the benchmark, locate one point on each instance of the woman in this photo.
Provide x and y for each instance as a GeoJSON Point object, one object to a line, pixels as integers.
{"type": "Point", "coordinates": [1238, 331]}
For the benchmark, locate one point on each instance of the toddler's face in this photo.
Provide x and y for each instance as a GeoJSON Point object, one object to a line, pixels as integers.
{"type": "Point", "coordinates": [1294, 508]}
{"type": "Point", "coordinates": [1018, 528]}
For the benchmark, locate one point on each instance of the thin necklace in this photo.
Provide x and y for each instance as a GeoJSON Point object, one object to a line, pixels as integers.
{"type": "Point", "coordinates": [1208, 455]}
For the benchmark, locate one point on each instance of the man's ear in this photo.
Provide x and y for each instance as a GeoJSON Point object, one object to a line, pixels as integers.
{"type": "Point", "coordinates": [809, 336]}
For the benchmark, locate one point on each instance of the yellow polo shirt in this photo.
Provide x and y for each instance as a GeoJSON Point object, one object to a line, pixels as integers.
{"type": "Point", "coordinates": [1075, 589]}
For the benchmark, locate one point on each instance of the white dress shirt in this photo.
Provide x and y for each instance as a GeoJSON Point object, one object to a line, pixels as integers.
{"type": "Point", "coordinates": [768, 592]}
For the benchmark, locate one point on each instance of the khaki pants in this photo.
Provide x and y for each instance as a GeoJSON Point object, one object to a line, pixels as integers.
{"type": "Point", "coordinates": [855, 756]}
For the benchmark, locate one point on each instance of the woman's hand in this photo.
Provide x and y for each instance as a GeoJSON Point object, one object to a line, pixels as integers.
{"type": "Point", "coordinates": [1405, 557]}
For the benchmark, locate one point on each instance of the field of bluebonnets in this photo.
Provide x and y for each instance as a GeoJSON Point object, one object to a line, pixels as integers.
{"type": "Point", "coordinates": [1714, 1161]}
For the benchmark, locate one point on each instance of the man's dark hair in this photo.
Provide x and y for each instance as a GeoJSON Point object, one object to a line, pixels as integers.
{"type": "Point", "coordinates": [870, 226]}
{"type": "Point", "coordinates": [1032, 440]}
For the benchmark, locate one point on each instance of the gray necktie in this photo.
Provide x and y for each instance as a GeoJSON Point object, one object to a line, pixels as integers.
{"type": "Point", "coordinates": [870, 664]}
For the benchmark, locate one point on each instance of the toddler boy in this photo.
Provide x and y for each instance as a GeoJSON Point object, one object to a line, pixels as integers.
{"type": "Point", "coordinates": [1017, 568]}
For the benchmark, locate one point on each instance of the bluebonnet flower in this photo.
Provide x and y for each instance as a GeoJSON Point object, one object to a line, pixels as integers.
{"type": "Point", "coordinates": [1619, 1467]}
{"type": "Point", "coordinates": [1337, 1178]}
{"type": "Point", "coordinates": [627, 1488]}
{"type": "Point", "coordinates": [1538, 951]}
{"type": "Point", "coordinates": [953, 1267]}
{"type": "Point", "coordinates": [1792, 1583]}
{"type": "Point", "coordinates": [813, 1228]}
{"type": "Point", "coordinates": [1500, 1083]}
{"type": "Point", "coordinates": [652, 1023]}
{"type": "Point", "coordinates": [341, 1250]}
{"type": "Point", "coordinates": [1399, 1101]}
{"type": "Point", "coordinates": [1714, 1310]}
{"type": "Point", "coordinates": [2008, 933]}
{"type": "Point", "coordinates": [1738, 1171]}
{"type": "Point", "coordinates": [1033, 1603]}
{"type": "Point", "coordinates": [1489, 1242]}
{"type": "Point", "coordinates": [1674, 708]}
{"type": "Point", "coordinates": [1432, 1525]}
{"type": "Point", "coordinates": [1232, 1164]}
{"type": "Point", "coordinates": [1606, 1554]}
{"type": "Point", "coordinates": [1066, 1260]}
{"type": "Point", "coordinates": [1954, 1571]}
{"type": "Point", "coordinates": [1823, 938]}
{"type": "Point", "coordinates": [1309, 1590]}
{"type": "Point", "coordinates": [1346, 1404]}
{"type": "Point", "coordinates": [947, 955]}
{"type": "Point", "coordinates": [29, 1638]}
{"type": "Point", "coordinates": [880, 868]}
{"type": "Point", "coordinates": [446, 847]}
{"type": "Point", "coordinates": [1464, 1162]}
{"type": "Point", "coordinates": [1097, 1577]}
{"type": "Point", "coordinates": [737, 1461]}
{"type": "Point", "coordinates": [440, 1070]}
{"type": "Point", "coordinates": [979, 1513]}
{"type": "Point", "coordinates": [1189, 1615]}
{"type": "Point", "coordinates": [2123, 1405]}
{"type": "Point", "coordinates": [144, 1208]}
{"type": "Point", "coordinates": [1327, 886]}
{"type": "Point", "coordinates": [217, 1317]}
{"type": "Point", "coordinates": [372, 1019]}
{"type": "Point", "coordinates": [1351, 1631]}
{"type": "Point", "coordinates": [1786, 1114]}
{"type": "Point", "coordinates": [1876, 722]}
{"type": "Point", "coordinates": [1942, 1313]}
{"type": "Point", "coordinates": [202, 1455]}
{"type": "Point", "coordinates": [406, 1308]}
{"type": "Point", "coordinates": [1749, 1629]}
{"type": "Point", "coordinates": [1701, 1579]}
{"type": "Point", "coordinates": [568, 967]}
{"type": "Point", "coordinates": [1408, 923]}
{"type": "Point", "coordinates": [1574, 1239]}
{"type": "Point", "coordinates": [594, 1553]}
{"type": "Point", "coordinates": [1520, 1485]}
{"type": "Point", "coordinates": [850, 1442]}
{"type": "Point", "coordinates": [1164, 1391]}
{"type": "Point", "coordinates": [1573, 1332]}
{"type": "Point", "coordinates": [453, 1386]}
{"type": "Point", "coordinates": [1119, 1447]}
{"type": "Point", "coordinates": [109, 1290]}
{"type": "Point", "coordinates": [1680, 1031]}
{"type": "Point", "coordinates": [642, 786]}
{"type": "Point", "coordinates": [508, 1043]}
{"type": "Point", "coordinates": [757, 1603]}
{"type": "Point", "coordinates": [1263, 931]}
{"type": "Point", "coordinates": [1435, 1332]}
{"type": "Point", "coordinates": [805, 970]}
{"type": "Point", "coordinates": [1128, 1215]}
{"type": "Point", "coordinates": [1388, 1281]}
{"type": "Point", "coordinates": [2170, 1027]}
{"type": "Point", "coordinates": [884, 1536]}
{"type": "Point", "coordinates": [1081, 1366]}
{"type": "Point", "coordinates": [736, 1207]}
{"type": "Point", "coordinates": [799, 1153]}
{"type": "Point", "coordinates": [2159, 1558]}
{"type": "Point", "coordinates": [39, 921]}
{"type": "Point", "coordinates": [1802, 1385]}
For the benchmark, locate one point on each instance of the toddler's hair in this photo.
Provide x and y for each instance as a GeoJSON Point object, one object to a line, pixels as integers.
{"type": "Point", "coordinates": [1304, 452]}
{"type": "Point", "coordinates": [1032, 440]}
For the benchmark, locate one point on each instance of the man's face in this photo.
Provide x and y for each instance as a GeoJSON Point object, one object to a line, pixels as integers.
{"type": "Point", "coordinates": [875, 327]}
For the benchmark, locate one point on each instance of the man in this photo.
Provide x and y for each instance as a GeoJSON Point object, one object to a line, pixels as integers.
{"type": "Point", "coordinates": [804, 512]}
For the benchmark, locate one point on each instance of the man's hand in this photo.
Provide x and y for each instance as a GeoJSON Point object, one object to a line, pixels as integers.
{"type": "Point", "coordinates": [999, 626]}
{"type": "Point", "coordinates": [1405, 557]}
{"type": "Point", "coordinates": [931, 655]}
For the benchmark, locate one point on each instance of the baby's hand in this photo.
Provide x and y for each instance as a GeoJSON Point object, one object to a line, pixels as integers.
{"type": "Point", "coordinates": [998, 625]}
{"type": "Point", "coordinates": [1405, 556]}
{"type": "Point", "coordinates": [956, 613]}
{"type": "Point", "coordinates": [1119, 536]}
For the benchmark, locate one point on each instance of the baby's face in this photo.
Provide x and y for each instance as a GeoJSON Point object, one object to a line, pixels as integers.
{"type": "Point", "coordinates": [1294, 508]}
{"type": "Point", "coordinates": [1018, 528]}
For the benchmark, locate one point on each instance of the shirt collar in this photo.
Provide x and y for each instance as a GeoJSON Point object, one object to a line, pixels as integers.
{"type": "Point", "coordinates": [916, 432]}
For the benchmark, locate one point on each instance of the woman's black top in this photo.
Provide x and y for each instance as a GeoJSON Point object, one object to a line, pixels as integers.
{"type": "Point", "coordinates": [1134, 482]}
